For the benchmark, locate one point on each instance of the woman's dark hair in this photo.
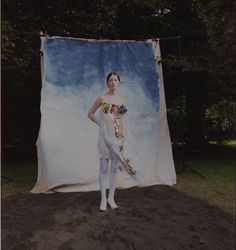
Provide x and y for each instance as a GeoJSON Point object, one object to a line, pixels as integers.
{"type": "Point", "coordinates": [113, 73]}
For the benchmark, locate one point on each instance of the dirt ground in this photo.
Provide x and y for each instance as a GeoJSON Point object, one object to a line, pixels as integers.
{"type": "Point", "coordinates": [154, 217]}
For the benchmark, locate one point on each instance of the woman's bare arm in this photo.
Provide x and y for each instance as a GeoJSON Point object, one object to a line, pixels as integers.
{"type": "Point", "coordinates": [93, 109]}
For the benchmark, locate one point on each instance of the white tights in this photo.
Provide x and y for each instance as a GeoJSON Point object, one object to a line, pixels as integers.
{"type": "Point", "coordinates": [103, 173]}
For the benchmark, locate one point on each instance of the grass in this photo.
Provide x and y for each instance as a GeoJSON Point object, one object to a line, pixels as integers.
{"type": "Point", "coordinates": [18, 177]}
{"type": "Point", "coordinates": [216, 164]}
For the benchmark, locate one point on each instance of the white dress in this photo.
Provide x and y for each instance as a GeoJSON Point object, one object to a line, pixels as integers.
{"type": "Point", "coordinates": [115, 140]}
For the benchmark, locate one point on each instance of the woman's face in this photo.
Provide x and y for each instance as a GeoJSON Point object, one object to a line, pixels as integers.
{"type": "Point", "coordinates": [113, 82]}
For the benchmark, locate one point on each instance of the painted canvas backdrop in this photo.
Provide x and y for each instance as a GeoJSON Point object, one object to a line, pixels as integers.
{"type": "Point", "coordinates": [73, 74]}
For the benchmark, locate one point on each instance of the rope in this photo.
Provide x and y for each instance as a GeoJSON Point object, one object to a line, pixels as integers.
{"type": "Point", "coordinates": [41, 34]}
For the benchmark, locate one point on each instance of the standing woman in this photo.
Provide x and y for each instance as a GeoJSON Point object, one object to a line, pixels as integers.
{"type": "Point", "coordinates": [113, 142]}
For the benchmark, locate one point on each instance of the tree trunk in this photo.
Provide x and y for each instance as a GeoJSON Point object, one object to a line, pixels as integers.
{"type": "Point", "coordinates": [195, 109]}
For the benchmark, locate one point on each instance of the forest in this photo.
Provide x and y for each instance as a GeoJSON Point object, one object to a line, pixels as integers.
{"type": "Point", "coordinates": [199, 68]}
{"type": "Point", "coordinates": [198, 54]}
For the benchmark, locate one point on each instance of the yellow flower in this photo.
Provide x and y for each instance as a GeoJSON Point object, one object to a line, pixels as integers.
{"type": "Point", "coordinates": [105, 107]}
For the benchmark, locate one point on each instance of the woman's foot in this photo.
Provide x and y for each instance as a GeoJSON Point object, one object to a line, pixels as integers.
{"type": "Point", "coordinates": [112, 203]}
{"type": "Point", "coordinates": [103, 206]}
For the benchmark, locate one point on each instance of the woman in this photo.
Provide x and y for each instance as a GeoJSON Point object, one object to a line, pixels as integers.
{"type": "Point", "coordinates": [113, 141]}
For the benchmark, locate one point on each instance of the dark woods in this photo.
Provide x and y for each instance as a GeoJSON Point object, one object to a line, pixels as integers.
{"type": "Point", "coordinates": [198, 78]}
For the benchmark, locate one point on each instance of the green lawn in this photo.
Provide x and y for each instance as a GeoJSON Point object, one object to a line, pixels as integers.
{"type": "Point", "coordinates": [217, 165]}
{"type": "Point", "coordinates": [217, 188]}
{"type": "Point", "coordinates": [23, 176]}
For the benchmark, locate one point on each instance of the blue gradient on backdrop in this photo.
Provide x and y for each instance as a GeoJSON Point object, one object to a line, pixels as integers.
{"type": "Point", "coordinates": [68, 63]}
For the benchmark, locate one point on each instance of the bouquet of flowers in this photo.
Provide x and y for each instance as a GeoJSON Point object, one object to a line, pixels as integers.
{"type": "Point", "coordinates": [122, 109]}
{"type": "Point", "coordinates": [113, 108]}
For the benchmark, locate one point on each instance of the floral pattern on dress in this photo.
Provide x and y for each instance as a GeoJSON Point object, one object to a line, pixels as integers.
{"type": "Point", "coordinates": [113, 108]}
{"type": "Point", "coordinates": [118, 125]}
{"type": "Point", "coordinates": [105, 107]}
{"type": "Point", "coordinates": [130, 169]}
{"type": "Point", "coordinates": [116, 111]}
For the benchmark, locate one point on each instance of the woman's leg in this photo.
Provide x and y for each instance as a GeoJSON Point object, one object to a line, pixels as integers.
{"type": "Point", "coordinates": [103, 171]}
{"type": "Point", "coordinates": [112, 183]}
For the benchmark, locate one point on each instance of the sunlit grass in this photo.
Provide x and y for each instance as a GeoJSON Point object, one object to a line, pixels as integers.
{"type": "Point", "coordinates": [231, 143]}
{"type": "Point", "coordinates": [18, 177]}
{"type": "Point", "coordinates": [218, 186]}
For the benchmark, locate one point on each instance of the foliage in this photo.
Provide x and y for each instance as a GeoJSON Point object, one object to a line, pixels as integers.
{"type": "Point", "coordinates": [8, 41]}
{"type": "Point", "coordinates": [221, 120]}
{"type": "Point", "coordinates": [219, 18]}
{"type": "Point", "coordinates": [204, 66]}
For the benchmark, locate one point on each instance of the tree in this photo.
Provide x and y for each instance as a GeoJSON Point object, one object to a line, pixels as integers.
{"type": "Point", "coordinates": [194, 80]}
